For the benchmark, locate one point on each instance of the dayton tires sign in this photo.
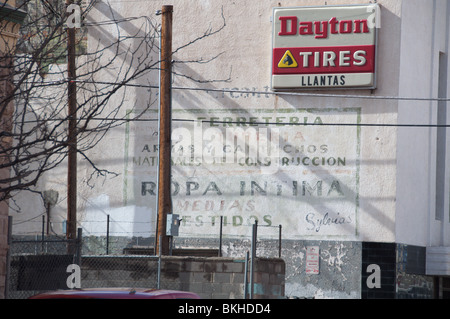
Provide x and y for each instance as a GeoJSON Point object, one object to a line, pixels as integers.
{"type": "Point", "coordinates": [324, 47]}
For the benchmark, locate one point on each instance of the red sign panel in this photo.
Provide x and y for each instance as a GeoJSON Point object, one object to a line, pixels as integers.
{"type": "Point", "coordinates": [319, 60]}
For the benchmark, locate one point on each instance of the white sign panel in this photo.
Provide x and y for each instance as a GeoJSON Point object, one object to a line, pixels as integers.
{"type": "Point", "coordinates": [312, 260]}
{"type": "Point", "coordinates": [324, 47]}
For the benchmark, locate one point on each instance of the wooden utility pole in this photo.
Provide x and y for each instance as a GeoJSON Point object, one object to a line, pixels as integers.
{"type": "Point", "coordinates": [71, 232]}
{"type": "Point", "coordinates": [165, 114]}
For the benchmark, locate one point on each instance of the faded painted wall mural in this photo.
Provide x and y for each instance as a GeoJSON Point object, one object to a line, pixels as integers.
{"type": "Point", "coordinates": [298, 168]}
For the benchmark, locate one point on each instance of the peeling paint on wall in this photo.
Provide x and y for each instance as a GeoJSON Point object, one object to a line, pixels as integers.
{"type": "Point", "coordinates": [339, 275]}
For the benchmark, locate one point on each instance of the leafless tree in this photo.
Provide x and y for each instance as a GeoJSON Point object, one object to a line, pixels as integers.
{"type": "Point", "coordinates": [34, 137]}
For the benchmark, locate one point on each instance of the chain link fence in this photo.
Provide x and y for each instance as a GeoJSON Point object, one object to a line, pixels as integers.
{"type": "Point", "coordinates": [41, 263]}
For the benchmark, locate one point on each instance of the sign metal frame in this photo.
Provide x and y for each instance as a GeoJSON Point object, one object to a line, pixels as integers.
{"type": "Point", "coordinates": [322, 37]}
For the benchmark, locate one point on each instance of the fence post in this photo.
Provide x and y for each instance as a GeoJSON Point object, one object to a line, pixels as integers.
{"type": "Point", "coordinates": [158, 284]}
{"type": "Point", "coordinates": [220, 236]}
{"type": "Point", "coordinates": [279, 241]}
{"type": "Point", "coordinates": [246, 276]}
{"type": "Point", "coordinates": [78, 244]}
{"type": "Point", "coordinates": [107, 234]}
{"type": "Point", "coordinates": [252, 270]}
{"type": "Point", "coordinates": [42, 233]}
{"type": "Point", "coordinates": [8, 256]}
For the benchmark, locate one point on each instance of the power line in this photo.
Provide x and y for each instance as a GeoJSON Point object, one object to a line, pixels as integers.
{"type": "Point", "coordinates": [266, 123]}
{"type": "Point", "coordinates": [245, 123]}
{"type": "Point", "coordinates": [313, 124]}
{"type": "Point", "coordinates": [301, 94]}
{"type": "Point", "coordinates": [305, 94]}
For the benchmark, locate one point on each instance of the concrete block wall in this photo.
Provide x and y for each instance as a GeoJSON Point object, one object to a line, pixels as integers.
{"type": "Point", "coordinates": [269, 278]}
{"type": "Point", "coordinates": [209, 277]}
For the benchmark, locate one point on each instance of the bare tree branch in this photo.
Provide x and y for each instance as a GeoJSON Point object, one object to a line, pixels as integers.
{"type": "Point", "coordinates": [34, 136]}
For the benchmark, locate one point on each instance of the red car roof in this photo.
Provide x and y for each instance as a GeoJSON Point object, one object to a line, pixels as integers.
{"type": "Point", "coordinates": [116, 293]}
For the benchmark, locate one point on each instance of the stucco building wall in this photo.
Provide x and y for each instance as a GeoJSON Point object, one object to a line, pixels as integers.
{"type": "Point", "coordinates": [375, 182]}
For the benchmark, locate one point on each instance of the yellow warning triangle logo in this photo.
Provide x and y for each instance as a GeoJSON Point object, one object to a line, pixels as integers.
{"type": "Point", "coordinates": [287, 61]}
